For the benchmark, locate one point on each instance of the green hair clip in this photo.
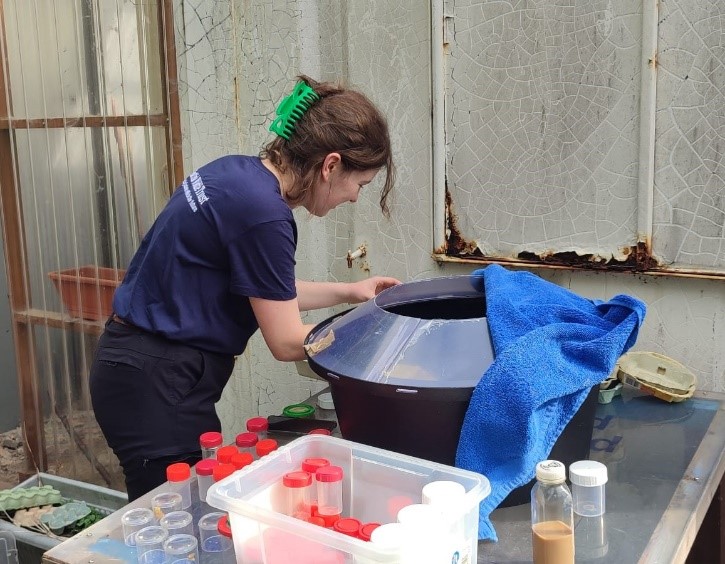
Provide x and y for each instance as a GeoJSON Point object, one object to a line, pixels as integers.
{"type": "Point", "coordinates": [292, 108]}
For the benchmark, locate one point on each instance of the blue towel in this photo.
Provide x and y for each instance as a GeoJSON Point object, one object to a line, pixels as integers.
{"type": "Point", "coordinates": [551, 347]}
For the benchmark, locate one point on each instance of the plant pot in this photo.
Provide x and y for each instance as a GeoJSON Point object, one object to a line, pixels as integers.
{"type": "Point", "coordinates": [87, 291]}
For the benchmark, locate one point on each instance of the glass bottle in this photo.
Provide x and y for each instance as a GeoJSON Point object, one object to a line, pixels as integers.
{"type": "Point", "coordinates": [552, 515]}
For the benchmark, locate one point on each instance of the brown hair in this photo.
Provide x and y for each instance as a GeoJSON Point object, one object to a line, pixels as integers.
{"type": "Point", "coordinates": [342, 121]}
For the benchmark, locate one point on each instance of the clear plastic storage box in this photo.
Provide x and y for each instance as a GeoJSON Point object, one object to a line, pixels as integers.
{"type": "Point", "coordinates": [377, 484]}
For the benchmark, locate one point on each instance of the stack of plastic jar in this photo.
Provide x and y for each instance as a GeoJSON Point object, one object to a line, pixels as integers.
{"type": "Point", "coordinates": [225, 453]}
{"type": "Point", "coordinates": [221, 471]}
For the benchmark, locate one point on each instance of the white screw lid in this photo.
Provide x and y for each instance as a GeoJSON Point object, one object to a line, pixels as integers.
{"type": "Point", "coordinates": [588, 473]}
{"type": "Point", "coordinates": [324, 401]}
{"type": "Point", "coordinates": [443, 492]}
{"type": "Point", "coordinates": [389, 535]}
{"type": "Point", "coordinates": [550, 471]}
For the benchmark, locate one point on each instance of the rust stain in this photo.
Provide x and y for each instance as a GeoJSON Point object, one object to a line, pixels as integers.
{"type": "Point", "coordinates": [456, 244]}
{"type": "Point", "coordinates": [637, 259]}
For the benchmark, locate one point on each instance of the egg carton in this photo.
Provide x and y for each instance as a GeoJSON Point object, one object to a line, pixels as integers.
{"type": "Point", "coordinates": [22, 498]}
{"type": "Point", "coordinates": [58, 518]}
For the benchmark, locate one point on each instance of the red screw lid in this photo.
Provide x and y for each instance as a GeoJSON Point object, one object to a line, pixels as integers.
{"type": "Point", "coordinates": [265, 446]}
{"type": "Point", "coordinates": [297, 479]}
{"type": "Point", "coordinates": [320, 432]}
{"type": "Point", "coordinates": [329, 474]}
{"type": "Point", "coordinates": [223, 527]}
{"type": "Point", "coordinates": [315, 520]}
{"type": "Point", "coordinates": [224, 454]}
{"type": "Point", "coordinates": [221, 471]}
{"type": "Point", "coordinates": [211, 439]}
{"type": "Point", "coordinates": [313, 464]}
{"type": "Point", "coordinates": [257, 424]}
{"type": "Point", "coordinates": [367, 529]}
{"type": "Point", "coordinates": [347, 526]}
{"type": "Point", "coordinates": [246, 440]}
{"type": "Point", "coordinates": [206, 467]}
{"type": "Point", "coordinates": [241, 459]}
{"type": "Point", "coordinates": [178, 472]}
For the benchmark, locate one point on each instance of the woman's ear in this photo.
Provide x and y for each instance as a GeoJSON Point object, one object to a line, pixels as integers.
{"type": "Point", "coordinates": [332, 162]}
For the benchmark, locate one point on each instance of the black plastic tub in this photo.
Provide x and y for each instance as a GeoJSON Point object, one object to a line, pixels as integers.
{"type": "Point", "coordinates": [380, 404]}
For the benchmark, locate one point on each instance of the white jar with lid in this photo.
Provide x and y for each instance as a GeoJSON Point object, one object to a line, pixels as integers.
{"type": "Point", "coordinates": [588, 479]}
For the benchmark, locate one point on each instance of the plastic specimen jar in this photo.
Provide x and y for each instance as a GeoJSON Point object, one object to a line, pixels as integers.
{"type": "Point", "coordinates": [241, 459]}
{"type": "Point", "coordinates": [178, 523]}
{"type": "Point", "coordinates": [210, 443]}
{"type": "Point", "coordinates": [166, 502]}
{"type": "Point", "coordinates": [329, 493]}
{"type": "Point", "coordinates": [224, 454]}
{"type": "Point", "coordinates": [209, 537]}
{"type": "Point", "coordinates": [588, 479]}
{"type": "Point", "coordinates": [205, 475]}
{"type": "Point", "coordinates": [258, 425]}
{"type": "Point", "coordinates": [347, 526]}
{"type": "Point", "coordinates": [433, 542]}
{"type": "Point", "coordinates": [246, 442]}
{"type": "Point", "coordinates": [448, 497]}
{"type": "Point", "coordinates": [133, 521]}
{"type": "Point", "coordinates": [150, 545]}
{"type": "Point", "coordinates": [181, 549]}
{"type": "Point", "coordinates": [391, 536]}
{"type": "Point", "coordinates": [179, 477]}
{"type": "Point", "coordinates": [265, 446]}
{"type": "Point", "coordinates": [297, 490]}
{"type": "Point", "coordinates": [312, 465]}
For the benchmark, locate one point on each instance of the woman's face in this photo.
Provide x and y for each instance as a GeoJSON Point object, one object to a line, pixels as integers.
{"type": "Point", "coordinates": [337, 186]}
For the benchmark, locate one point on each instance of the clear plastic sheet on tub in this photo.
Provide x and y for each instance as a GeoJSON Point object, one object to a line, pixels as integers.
{"type": "Point", "coordinates": [425, 333]}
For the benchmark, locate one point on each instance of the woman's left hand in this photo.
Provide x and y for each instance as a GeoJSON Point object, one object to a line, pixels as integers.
{"type": "Point", "coordinates": [363, 290]}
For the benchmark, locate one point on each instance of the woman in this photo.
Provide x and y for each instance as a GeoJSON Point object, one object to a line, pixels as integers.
{"type": "Point", "coordinates": [217, 264]}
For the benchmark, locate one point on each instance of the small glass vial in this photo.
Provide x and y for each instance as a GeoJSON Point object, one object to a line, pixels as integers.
{"type": "Point", "coordinates": [552, 515]}
{"type": "Point", "coordinates": [166, 502]}
{"type": "Point", "coordinates": [225, 453]}
{"type": "Point", "coordinates": [588, 479]}
{"type": "Point", "coordinates": [179, 480]}
{"type": "Point", "coordinates": [258, 425]}
{"type": "Point", "coordinates": [246, 442]}
{"type": "Point", "coordinates": [178, 523]}
{"type": "Point", "coordinates": [205, 475]}
{"type": "Point", "coordinates": [133, 521]}
{"type": "Point", "coordinates": [241, 459]}
{"type": "Point", "coordinates": [329, 493]}
{"type": "Point", "coordinates": [265, 446]}
{"type": "Point", "coordinates": [181, 549]}
{"type": "Point", "coordinates": [210, 443]}
{"type": "Point", "coordinates": [150, 545]}
{"type": "Point", "coordinates": [221, 471]}
{"type": "Point", "coordinates": [297, 489]}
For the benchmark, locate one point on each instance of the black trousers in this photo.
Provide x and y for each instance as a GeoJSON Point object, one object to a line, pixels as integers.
{"type": "Point", "coordinates": [152, 399]}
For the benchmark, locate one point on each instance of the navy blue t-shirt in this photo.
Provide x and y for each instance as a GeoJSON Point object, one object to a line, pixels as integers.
{"type": "Point", "coordinates": [225, 235]}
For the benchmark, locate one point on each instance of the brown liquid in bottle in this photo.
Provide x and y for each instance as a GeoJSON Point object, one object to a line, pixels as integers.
{"type": "Point", "coordinates": [553, 543]}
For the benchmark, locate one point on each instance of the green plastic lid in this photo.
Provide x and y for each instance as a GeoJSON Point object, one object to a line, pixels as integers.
{"type": "Point", "coordinates": [298, 410]}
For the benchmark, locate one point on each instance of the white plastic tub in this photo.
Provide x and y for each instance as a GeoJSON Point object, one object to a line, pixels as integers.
{"type": "Point", "coordinates": [377, 484]}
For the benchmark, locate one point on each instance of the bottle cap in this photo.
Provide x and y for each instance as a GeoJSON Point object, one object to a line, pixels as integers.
{"type": "Point", "coordinates": [347, 526]}
{"type": "Point", "coordinates": [316, 520]}
{"type": "Point", "coordinates": [443, 492]}
{"type": "Point", "coordinates": [420, 517]}
{"type": "Point", "coordinates": [320, 432]}
{"type": "Point", "coordinates": [221, 471]}
{"type": "Point", "coordinates": [224, 528]}
{"type": "Point", "coordinates": [324, 401]}
{"type": "Point", "coordinates": [241, 459]}
{"type": "Point", "coordinates": [299, 410]}
{"type": "Point", "coordinates": [297, 479]}
{"type": "Point", "coordinates": [257, 424]}
{"type": "Point", "coordinates": [329, 474]}
{"type": "Point", "coordinates": [588, 473]}
{"type": "Point", "coordinates": [389, 535]}
{"type": "Point", "coordinates": [176, 520]}
{"type": "Point", "coordinates": [367, 530]}
{"type": "Point", "coordinates": [246, 440]}
{"type": "Point", "coordinates": [311, 465]}
{"type": "Point", "coordinates": [178, 472]}
{"type": "Point", "coordinates": [206, 467]}
{"type": "Point", "coordinates": [224, 454]}
{"type": "Point", "coordinates": [265, 446]}
{"type": "Point", "coordinates": [210, 439]}
{"type": "Point", "coordinates": [550, 471]}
